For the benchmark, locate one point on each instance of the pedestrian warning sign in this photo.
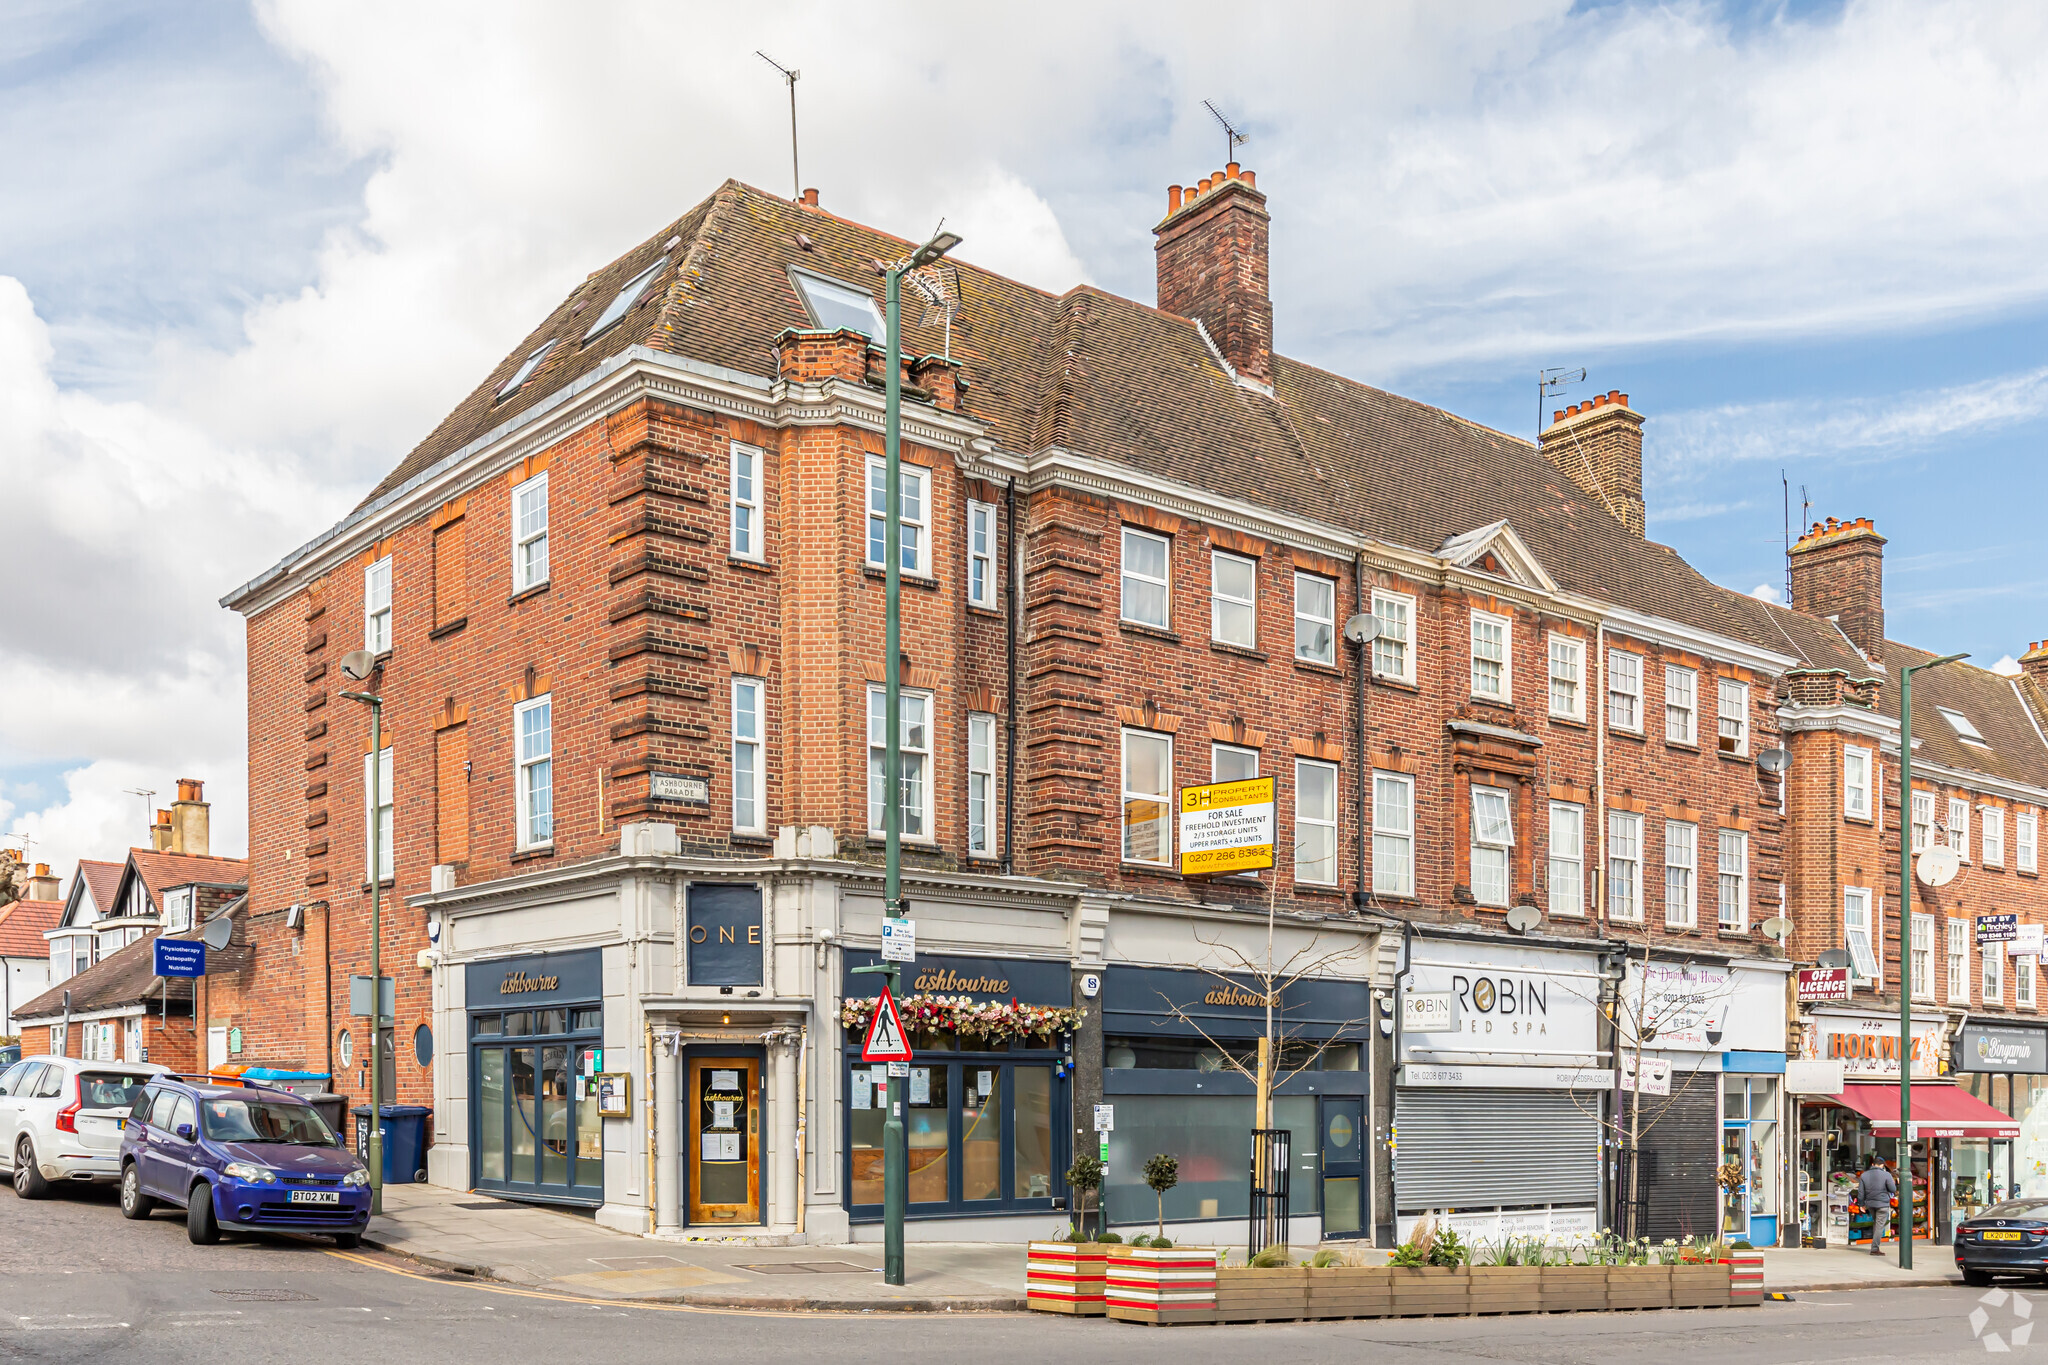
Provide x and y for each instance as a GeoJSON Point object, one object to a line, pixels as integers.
{"type": "Point", "coordinates": [886, 1039]}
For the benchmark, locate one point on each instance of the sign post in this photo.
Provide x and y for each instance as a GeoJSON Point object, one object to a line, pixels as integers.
{"type": "Point", "coordinates": [887, 1042]}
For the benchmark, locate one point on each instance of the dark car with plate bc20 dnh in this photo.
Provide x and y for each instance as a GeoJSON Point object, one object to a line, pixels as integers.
{"type": "Point", "coordinates": [239, 1156]}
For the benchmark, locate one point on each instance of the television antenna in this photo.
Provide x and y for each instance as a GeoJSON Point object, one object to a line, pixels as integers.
{"type": "Point", "coordinates": [1232, 138]}
{"type": "Point", "coordinates": [795, 176]}
{"type": "Point", "coordinates": [938, 285]}
{"type": "Point", "coordinates": [148, 802]}
{"type": "Point", "coordinates": [1550, 383]}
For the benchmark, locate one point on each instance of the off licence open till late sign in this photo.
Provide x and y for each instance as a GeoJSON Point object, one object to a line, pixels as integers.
{"type": "Point", "coordinates": [1226, 827]}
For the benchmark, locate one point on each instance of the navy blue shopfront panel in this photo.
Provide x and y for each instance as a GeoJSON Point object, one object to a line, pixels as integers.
{"type": "Point", "coordinates": [536, 1039]}
{"type": "Point", "coordinates": [1141, 1000]}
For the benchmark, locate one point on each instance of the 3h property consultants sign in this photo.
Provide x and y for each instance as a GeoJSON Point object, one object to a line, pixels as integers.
{"type": "Point", "coordinates": [1226, 827]}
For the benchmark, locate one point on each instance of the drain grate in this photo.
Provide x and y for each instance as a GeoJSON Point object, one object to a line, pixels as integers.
{"type": "Point", "coordinates": [808, 1268]}
{"type": "Point", "coordinates": [265, 1296]}
{"type": "Point", "coordinates": [487, 1203]}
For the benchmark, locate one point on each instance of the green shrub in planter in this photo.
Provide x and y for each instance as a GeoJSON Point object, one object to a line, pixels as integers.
{"type": "Point", "coordinates": [1108, 1237]}
{"type": "Point", "coordinates": [1162, 1244]}
{"type": "Point", "coordinates": [1268, 1259]}
{"type": "Point", "coordinates": [1143, 1239]}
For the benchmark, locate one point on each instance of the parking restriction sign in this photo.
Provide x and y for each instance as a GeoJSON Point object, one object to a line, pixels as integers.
{"type": "Point", "coordinates": [886, 1041]}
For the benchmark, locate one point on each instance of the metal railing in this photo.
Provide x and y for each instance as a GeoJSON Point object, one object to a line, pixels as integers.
{"type": "Point", "coordinates": [1270, 1167]}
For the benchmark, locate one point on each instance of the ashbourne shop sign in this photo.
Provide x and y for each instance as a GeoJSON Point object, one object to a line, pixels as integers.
{"type": "Point", "coordinates": [1226, 827]}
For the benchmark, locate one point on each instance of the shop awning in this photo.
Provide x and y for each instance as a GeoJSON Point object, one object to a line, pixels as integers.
{"type": "Point", "coordinates": [1941, 1111]}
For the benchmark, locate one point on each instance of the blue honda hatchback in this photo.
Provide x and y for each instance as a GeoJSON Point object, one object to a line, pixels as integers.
{"type": "Point", "coordinates": [240, 1156]}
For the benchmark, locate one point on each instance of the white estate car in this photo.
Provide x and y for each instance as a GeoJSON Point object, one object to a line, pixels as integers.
{"type": "Point", "coordinates": [60, 1119]}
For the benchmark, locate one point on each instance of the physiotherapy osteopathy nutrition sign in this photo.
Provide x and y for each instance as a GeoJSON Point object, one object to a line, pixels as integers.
{"type": "Point", "coordinates": [1226, 827]}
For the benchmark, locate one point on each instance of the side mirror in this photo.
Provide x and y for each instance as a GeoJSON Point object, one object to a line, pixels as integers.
{"type": "Point", "coordinates": [186, 1131]}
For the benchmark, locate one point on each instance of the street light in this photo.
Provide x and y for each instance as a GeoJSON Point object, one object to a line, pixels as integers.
{"type": "Point", "coordinates": [895, 1149]}
{"type": "Point", "coordinates": [1906, 956]}
{"type": "Point", "coordinates": [357, 665]}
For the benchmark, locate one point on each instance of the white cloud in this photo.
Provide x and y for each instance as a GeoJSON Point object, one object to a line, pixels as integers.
{"type": "Point", "coordinates": [2007, 667]}
{"type": "Point", "coordinates": [1769, 592]}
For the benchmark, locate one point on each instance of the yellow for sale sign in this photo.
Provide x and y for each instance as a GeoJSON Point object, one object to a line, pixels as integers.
{"type": "Point", "coordinates": [1226, 827]}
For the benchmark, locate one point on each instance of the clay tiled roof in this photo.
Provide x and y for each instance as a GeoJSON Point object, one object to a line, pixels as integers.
{"type": "Point", "coordinates": [22, 925]}
{"type": "Point", "coordinates": [128, 977]}
{"type": "Point", "coordinates": [103, 880]}
{"type": "Point", "coordinates": [159, 871]}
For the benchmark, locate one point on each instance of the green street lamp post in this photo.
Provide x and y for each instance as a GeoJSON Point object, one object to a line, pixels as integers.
{"type": "Point", "coordinates": [1906, 1199]}
{"type": "Point", "coordinates": [358, 665]}
{"type": "Point", "coordinates": [895, 1148]}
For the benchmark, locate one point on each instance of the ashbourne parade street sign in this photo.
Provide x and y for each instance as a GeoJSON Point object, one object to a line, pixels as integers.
{"type": "Point", "coordinates": [1226, 827]}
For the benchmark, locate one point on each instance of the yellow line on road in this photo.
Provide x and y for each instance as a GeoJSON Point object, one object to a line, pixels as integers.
{"type": "Point", "coordinates": [515, 1292]}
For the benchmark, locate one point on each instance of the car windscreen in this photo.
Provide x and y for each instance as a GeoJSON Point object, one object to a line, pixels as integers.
{"type": "Point", "coordinates": [2017, 1208]}
{"type": "Point", "coordinates": [235, 1119]}
{"type": "Point", "coordinates": [110, 1089]}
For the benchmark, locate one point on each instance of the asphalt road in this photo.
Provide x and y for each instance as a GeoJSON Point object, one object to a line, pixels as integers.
{"type": "Point", "coordinates": [79, 1283]}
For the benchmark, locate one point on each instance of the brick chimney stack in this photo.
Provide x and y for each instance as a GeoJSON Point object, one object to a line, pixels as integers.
{"type": "Point", "coordinates": [190, 819]}
{"type": "Point", "coordinates": [2034, 663]}
{"type": "Point", "coordinates": [1212, 266]}
{"type": "Point", "coordinates": [1598, 445]}
{"type": "Point", "coordinates": [160, 832]}
{"type": "Point", "coordinates": [43, 886]}
{"type": "Point", "coordinates": [1838, 572]}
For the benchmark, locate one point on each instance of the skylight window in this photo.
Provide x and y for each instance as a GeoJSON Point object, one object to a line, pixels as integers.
{"type": "Point", "coordinates": [628, 296]}
{"type": "Point", "coordinates": [1961, 725]}
{"type": "Point", "coordinates": [834, 305]}
{"type": "Point", "coordinates": [525, 370]}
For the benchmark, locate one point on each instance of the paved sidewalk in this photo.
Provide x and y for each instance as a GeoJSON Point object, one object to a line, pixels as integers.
{"type": "Point", "coordinates": [567, 1253]}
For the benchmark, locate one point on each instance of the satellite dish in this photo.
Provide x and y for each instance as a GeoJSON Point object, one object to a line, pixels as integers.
{"type": "Point", "coordinates": [1774, 760]}
{"type": "Point", "coordinates": [1362, 629]}
{"type": "Point", "coordinates": [1937, 866]}
{"type": "Point", "coordinates": [1833, 957]}
{"type": "Point", "coordinates": [1523, 918]}
{"type": "Point", "coordinates": [1777, 927]}
{"type": "Point", "coordinates": [217, 933]}
{"type": "Point", "coordinates": [358, 664]}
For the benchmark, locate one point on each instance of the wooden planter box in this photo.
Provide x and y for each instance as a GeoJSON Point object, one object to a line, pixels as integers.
{"type": "Point", "coordinates": [1639, 1286]}
{"type": "Point", "coordinates": [1745, 1278]}
{"type": "Point", "coordinates": [1350, 1292]}
{"type": "Point", "coordinates": [1065, 1277]}
{"type": "Point", "coordinates": [1507, 1288]}
{"type": "Point", "coordinates": [1420, 1291]}
{"type": "Point", "coordinates": [1161, 1286]}
{"type": "Point", "coordinates": [1574, 1288]}
{"type": "Point", "coordinates": [1699, 1286]}
{"type": "Point", "coordinates": [1244, 1294]}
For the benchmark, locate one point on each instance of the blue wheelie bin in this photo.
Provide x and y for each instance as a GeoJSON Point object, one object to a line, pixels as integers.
{"type": "Point", "coordinates": [404, 1137]}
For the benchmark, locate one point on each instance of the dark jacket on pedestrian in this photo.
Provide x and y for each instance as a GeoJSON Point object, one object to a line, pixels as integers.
{"type": "Point", "coordinates": [1875, 1188]}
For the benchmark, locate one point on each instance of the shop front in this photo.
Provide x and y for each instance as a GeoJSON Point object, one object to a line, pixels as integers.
{"type": "Point", "coordinates": [536, 1041]}
{"type": "Point", "coordinates": [1176, 1048]}
{"type": "Point", "coordinates": [987, 1112]}
{"type": "Point", "coordinates": [1849, 1112]}
{"type": "Point", "coordinates": [2006, 1067]}
{"type": "Point", "coordinates": [1501, 1085]}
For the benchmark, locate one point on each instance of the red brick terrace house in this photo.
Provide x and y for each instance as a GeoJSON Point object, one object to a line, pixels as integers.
{"type": "Point", "coordinates": [627, 605]}
{"type": "Point", "coordinates": [1980, 787]}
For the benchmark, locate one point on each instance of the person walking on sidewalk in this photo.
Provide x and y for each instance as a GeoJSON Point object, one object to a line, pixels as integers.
{"type": "Point", "coordinates": [1875, 1190]}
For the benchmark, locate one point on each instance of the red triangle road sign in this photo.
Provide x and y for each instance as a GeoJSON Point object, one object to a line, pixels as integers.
{"type": "Point", "coordinates": [887, 1042]}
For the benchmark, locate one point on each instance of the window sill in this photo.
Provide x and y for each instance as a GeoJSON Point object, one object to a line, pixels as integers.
{"type": "Point", "coordinates": [1149, 632]}
{"type": "Point", "coordinates": [443, 632]}
{"type": "Point", "coordinates": [385, 885]}
{"type": "Point", "coordinates": [976, 609]}
{"type": "Point", "coordinates": [1858, 819]}
{"type": "Point", "coordinates": [524, 855]}
{"type": "Point", "coordinates": [1733, 933]}
{"type": "Point", "coordinates": [1682, 746]}
{"type": "Point", "coordinates": [1398, 683]}
{"type": "Point", "coordinates": [1633, 736]}
{"type": "Point", "coordinates": [1495, 703]}
{"type": "Point", "coordinates": [751, 838]}
{"type": "Point", "coordinates": [749, 563]}
{"type": "Point", "coordinates": [1312, 666]}
{"type": "Point", "coordinates": [1575, 722]}
{"type": "Point", "coordinates": [1240, 651]}
{"type": "Point", "coordinates": [908, 579]}
{"type": "Point", "coordinates": [908, 841]}
{"type": "Point", "coordinates": [1731, 756]}
{"type": "Point", "coordinates": [536, 590]}
{"type": "Point", "coordinates": [1162, 870]}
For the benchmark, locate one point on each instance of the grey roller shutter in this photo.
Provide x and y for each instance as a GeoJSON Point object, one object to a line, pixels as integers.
{"type": "Point", "coordinates": [1681, 1151]}
{"type": "Point", "coordinates": [1479, 1148]}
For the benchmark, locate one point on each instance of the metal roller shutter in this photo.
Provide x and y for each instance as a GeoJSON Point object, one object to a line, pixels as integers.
{"type": "Point", "coordinates": [1681, 1151]}
{"type": "Point", "coordinates": [1478, 1148]}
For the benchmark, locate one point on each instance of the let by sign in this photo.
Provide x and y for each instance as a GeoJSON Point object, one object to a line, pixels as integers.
{"type": "Point", "coordinates": [1823, 983]}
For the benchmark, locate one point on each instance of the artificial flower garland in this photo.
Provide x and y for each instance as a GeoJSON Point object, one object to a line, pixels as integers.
{"type": "Point", "coordinates": [963, 1015]}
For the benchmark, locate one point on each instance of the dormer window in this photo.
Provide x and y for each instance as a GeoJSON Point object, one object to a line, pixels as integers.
{"type": "Point", "coordinates": [626, 298]}
{"type": "Point", "coordinates": [178, 910]}
{"type": "Point", "coordinates": [834, 305]}
{"type": "Point", "coordinates": [1965, 731]}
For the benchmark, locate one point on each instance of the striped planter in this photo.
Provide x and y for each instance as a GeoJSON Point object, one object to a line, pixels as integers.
{"type": "Point", "coordinates": [1745, 1277]}
{"type": "Point", "coordinates": [1066, 1277]}
{"type": "Point", "coordinates": [1160, 1287]}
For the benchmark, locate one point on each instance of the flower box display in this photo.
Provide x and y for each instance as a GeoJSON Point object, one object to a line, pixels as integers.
{"type": "Point", "coordinates": [1422, 1290]}
{"type": "Point", "coordinates": [1507, 1289]}
{"type": "Point", "coordinates": [1350, 1292]}
{"type": "Point", "coordinates": [967, 1017]}
{"type": "Point", "coordinates": [1066, 1277]}
{"type": "Point", "coordinates": [1249, 1294]}
{"type": "Point", "coordinates": [1161, 1285]}
{"type": "Point", "coordinates": [1574, 1288]}
{"type": "Point", "coordinates": [1639, 1286]}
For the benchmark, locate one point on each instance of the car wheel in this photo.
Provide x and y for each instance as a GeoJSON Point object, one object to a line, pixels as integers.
{"type": "Point", "coordinates": [28, 1180]}
{"type": "Point", "coordinates": [200, 1225]}
{"type": "Point", "coordinates": [348, 1241]}
{"type": "Point", "coordinates": [1976, 1279]}
{"type": "Point", "coordinates": [134, 1203]}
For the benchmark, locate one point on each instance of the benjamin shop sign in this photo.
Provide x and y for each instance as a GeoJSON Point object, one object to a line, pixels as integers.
{"type": "Point", "coordinates": [2001, 1047]}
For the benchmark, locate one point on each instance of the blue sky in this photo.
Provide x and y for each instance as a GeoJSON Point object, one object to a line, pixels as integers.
{"type": "Point", "coordinates": [249, 255]}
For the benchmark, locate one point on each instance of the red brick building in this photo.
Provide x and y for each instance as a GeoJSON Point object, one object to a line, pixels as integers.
{"type": "Point", "coordinates": [626, 602]}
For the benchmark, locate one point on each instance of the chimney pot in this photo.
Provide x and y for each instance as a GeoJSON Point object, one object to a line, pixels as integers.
{"type": "Point", "coordinates": [1251, 181]}
{"type": "Point", "coordinates": [810, 198]}
{"type": "Point", "coordinates": [1614, 396]}
{"type": "Point", "coordinates": [1624, 400]}
{"type": "Point", "coordinates": [1231, 170]}
{"type": "Point", "coordinates": [1173, 199]}
{"type": "Point", "coordinates": [42, 869]}
{"type": "Point", "coordinates": [1557, 416]}
{"type": "Point", "coordinates": [1202, 185]}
